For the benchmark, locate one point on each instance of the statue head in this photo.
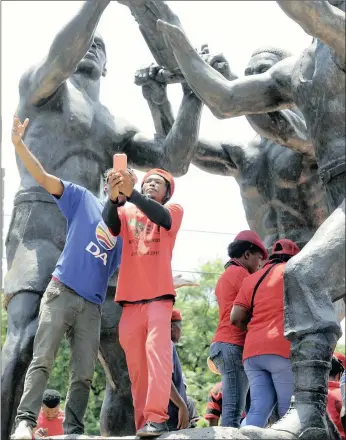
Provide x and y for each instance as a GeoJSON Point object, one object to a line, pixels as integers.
{"type": "Point", "coordinates": [94, 62]}
{"type": "Point", "coordinates": [263, 58]}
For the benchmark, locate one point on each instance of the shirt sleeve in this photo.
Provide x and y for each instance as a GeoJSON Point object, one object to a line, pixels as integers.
{"type": "Point", "coordinates": [214, 405]}
{"type": "Point", "coordinates": [70, 198]}
{"type": "Point", "coordinates": [244, 295]}
{"type": "Point", "coordinates": [176, 212]}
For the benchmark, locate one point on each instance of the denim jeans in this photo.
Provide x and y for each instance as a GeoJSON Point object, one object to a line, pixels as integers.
{"type": "Point", "coordinates": [63, 311]}
{"type": "Point", "coordinates": [271, 379]}
{"type": "Point", "coordinates": [343, 387]}
{"type": "Point", "coordinates": [228, 360]}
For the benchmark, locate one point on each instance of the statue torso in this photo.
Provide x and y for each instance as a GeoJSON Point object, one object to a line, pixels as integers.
{"type": "Point", "coordinates": [281, 192]}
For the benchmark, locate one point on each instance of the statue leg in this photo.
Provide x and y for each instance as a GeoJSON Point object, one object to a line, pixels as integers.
{"type": "Point", "coordinates": [313, 280]}
{"type": "Point", "coordinates": [116, 418]}
{"type": "Point", "coordinates": [22, 321]}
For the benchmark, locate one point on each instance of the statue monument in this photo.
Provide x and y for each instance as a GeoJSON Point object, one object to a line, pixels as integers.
{"type": "Point", "coordinates": [316, 276]}
{"type": "Point", "coordinates": [74, 136]}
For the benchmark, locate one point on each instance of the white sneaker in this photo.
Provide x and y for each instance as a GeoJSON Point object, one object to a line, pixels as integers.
{"type": "Point", "coordinates": [23, 431]}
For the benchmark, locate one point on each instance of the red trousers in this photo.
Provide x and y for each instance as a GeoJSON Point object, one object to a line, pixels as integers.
{"type": "Point", "coordinates": [145, 336]}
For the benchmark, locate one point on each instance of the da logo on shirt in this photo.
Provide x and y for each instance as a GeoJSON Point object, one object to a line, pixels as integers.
{"type": "Point", "coordinates": [104, 237]}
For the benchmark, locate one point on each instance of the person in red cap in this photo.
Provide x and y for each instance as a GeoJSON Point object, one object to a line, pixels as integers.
{"type": "Point", "coordinates": [258, 309]}
{"type": "Point", "coordinates": [226, 350]}
{"type": "Point", "coordinates": [334, 401]}
{"type": "Point", "coordinates": [145, 289]}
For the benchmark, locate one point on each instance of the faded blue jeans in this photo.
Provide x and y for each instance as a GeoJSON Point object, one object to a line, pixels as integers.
{"type": "Point", "coordinates": [228, 360]}
{"type": "Point", "coordinates": [271, 379]}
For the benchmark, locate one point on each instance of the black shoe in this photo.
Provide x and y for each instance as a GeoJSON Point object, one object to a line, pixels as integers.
{"type": "Point", "coordinates": [152, 429]}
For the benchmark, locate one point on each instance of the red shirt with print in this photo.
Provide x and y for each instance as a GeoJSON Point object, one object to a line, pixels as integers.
{"type": "Point", "coordinates": [226, 291]}
{"type": "Point", "coordinates": [334, 405]}
{"type": "Point", "coordinates": [53, 426]}
{"type": "Point", "coordinates": [265, 333]}
{"type": "Point", "coordinates": [145, 270]}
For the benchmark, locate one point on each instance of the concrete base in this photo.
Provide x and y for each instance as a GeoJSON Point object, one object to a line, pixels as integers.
{"type": "Point", "coordinates": [188, 434]}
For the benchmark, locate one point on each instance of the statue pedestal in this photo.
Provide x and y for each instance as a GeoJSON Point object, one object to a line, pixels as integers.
{"type": "Point", "coordinates": [188, 434]}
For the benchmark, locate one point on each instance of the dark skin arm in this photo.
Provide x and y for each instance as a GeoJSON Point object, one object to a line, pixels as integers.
{"type": "Point", "coordinates": [65, 53]}
{"type": "Point", "coordinates": [269, 91]}
{"type": "Point", "coordinates": [319, 19]}
{"type": "Point", "coordinates": [183, 416]}
{"type": "Point", "coordinates": [239, 317]}
{"type": "Point", "coordinates": [213, 422]}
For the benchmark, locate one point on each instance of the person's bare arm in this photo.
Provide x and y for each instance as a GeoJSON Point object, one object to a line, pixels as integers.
{"type": "Point", "coordinates": [66, 51]}
{"type": "Point", "coordinates": [183, 415]}
{"type": "Point", "coordinates": [269, 91]}
{"type": "Point", "coordinates": [213, 422]}
{"type": "Point", "coordinates": [49, 182]}
{"type": "Point", "coordinates": [319, 19]}
{"type": "Point", "coordinates": [239, 317]}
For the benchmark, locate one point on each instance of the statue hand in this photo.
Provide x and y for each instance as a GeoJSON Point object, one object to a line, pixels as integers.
{"type": "Point", "coordinates": [217, 61]}
{"type": "Point", "coordinates": [152, 90]}
{"type": "Point", "coordinates": [18, 129]}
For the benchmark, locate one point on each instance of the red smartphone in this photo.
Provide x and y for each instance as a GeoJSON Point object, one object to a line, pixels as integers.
{"type": "Point", "coordinates": [120, 162]}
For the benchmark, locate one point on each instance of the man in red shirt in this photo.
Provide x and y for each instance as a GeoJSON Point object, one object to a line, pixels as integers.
{"type": "Point", "coordinates": [145, 289]}
{"type": "Point", "coordinates": [50, 418]}
{"type": "Point", "coordinates": [214, 405]}
{"type": "Point", "coordinates": [334, 402]}
{"type": "Point", "coordinates": [226, 350]}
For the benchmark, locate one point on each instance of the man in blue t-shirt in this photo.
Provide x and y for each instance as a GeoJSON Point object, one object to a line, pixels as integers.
{"type": "Point", "coordinates": [177, 409]}
{"type": "Point", "coordinates": [72, 301]}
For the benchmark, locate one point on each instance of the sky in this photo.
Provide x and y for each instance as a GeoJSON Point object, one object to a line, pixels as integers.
{"type": "Point", "coordinates": [212, 204]}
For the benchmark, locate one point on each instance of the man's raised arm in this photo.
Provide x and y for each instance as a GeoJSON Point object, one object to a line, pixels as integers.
{"type": "Point", "coordinates": [66, 51]}
{"type": "Point", "coordinates": [269, 91]}
{"type": "Point", "coordinates": [319, 19]}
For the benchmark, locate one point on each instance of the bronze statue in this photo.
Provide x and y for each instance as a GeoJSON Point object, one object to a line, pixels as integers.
{"type": "Point", "coordinates": [316, 276]}
{"type": "Point", "coordinates": [74, 136]}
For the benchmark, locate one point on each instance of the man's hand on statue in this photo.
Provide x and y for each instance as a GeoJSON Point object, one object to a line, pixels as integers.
{"type": "Point", "coordinates": [179, 281]}
{"type": "Point", "coordinates": [128, 182]}
{"type": "Point", "coordinates": [152, 90]}
{"type": "Point", "coordinates": [114, 180]}
{"type": "Point", "coordinates": [18, 129]}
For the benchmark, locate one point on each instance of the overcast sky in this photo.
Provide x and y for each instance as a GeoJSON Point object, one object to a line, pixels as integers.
{"type": "Point", "coordinates": [212, 204]}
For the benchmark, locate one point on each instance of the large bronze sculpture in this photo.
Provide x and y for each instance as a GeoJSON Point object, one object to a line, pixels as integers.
{"type": "Point", "coordinates": [74, 136]}
{"type": "Point", "coordinates": [316, 276]}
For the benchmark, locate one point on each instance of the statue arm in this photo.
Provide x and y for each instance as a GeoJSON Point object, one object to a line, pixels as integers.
{"type": "Point", "coordinates": [67, 50]}
{"type": "Point", "coordinates": [173, 152]}
{"type": "Point", "coordinates": [269, 91]}
{"type": "Point", "coordinates": [163, 117]}
{"type": "Point", "coordinates": [220, 158]}
{"type": "Point", "coordinates": [319, 19]}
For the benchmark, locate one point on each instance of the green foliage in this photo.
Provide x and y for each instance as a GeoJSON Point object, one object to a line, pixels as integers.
{"type": "Point", "coordinates": [341, 348]}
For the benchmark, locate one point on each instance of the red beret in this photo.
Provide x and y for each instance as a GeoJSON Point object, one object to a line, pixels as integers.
{"type": "Point", "coordinates": [253, 238]}
{"type": "Point", "coordinates": [163, 174]}
{"type": "Point", "coordinates": [285, 246]}
{"type": "Point", "coordinates": [341, 357]}
{"type": "Point", "coordinates": [176, 315]}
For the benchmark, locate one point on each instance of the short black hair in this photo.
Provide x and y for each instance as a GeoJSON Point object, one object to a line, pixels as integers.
{"type": "Point", "coordinates": [237, 248]}
{"type": "Point", "coordinates": [283, 257]}
{"type": "Point", "coordinates": [51, 398]}
{"type": "Point", "coordinates": [337, 367]}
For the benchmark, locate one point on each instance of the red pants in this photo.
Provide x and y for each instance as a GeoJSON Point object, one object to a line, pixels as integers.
{"type": "Point", "coordinates": [145, 336]}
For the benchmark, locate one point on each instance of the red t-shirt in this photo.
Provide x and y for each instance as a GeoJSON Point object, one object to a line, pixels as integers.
{"type": "Point", "coordinates": [334, 405]}
{"type": "Point", "coordinates": [145, 270]}
{"type": "Point", "coordinates": [265, 333]}
{"type": "Point", "coordinates": [226, 291]}
{"type": "Point", "coordinates": [54, 426]}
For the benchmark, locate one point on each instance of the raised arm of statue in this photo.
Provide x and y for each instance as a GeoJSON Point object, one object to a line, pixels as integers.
{"type": "Point", "coordinates": [320, 19]}
{"type": "Point", "coordinates": [66, 51]}
{"type": "Point", "coordinates": [269, 91]}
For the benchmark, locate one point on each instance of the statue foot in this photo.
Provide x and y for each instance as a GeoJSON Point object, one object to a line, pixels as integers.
{"type": "Point", "coordinates": [303, 421]}
{"type": "Point", "coordinates": [175, 36]}
{"type": "Point", "coordinates": [23, 431]}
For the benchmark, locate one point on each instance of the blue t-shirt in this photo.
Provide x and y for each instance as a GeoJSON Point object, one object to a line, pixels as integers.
{"type": "Point", "coordinates": [178, 380]}
{"type": "Point", "coordinates": [91, 253]}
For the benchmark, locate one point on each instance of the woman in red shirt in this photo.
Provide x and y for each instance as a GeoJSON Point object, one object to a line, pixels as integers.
{"type": "Point", "coordinates": [266, 351]}
{"type": "Point", "coordinates": [226, 350]}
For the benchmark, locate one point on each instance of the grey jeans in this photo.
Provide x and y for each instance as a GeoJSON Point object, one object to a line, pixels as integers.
{"type": "Point", "coordinates": [63, 311]}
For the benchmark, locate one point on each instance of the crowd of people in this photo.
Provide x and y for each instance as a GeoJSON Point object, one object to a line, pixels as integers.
{"type": "Point", "coordinates": [249, 349]}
